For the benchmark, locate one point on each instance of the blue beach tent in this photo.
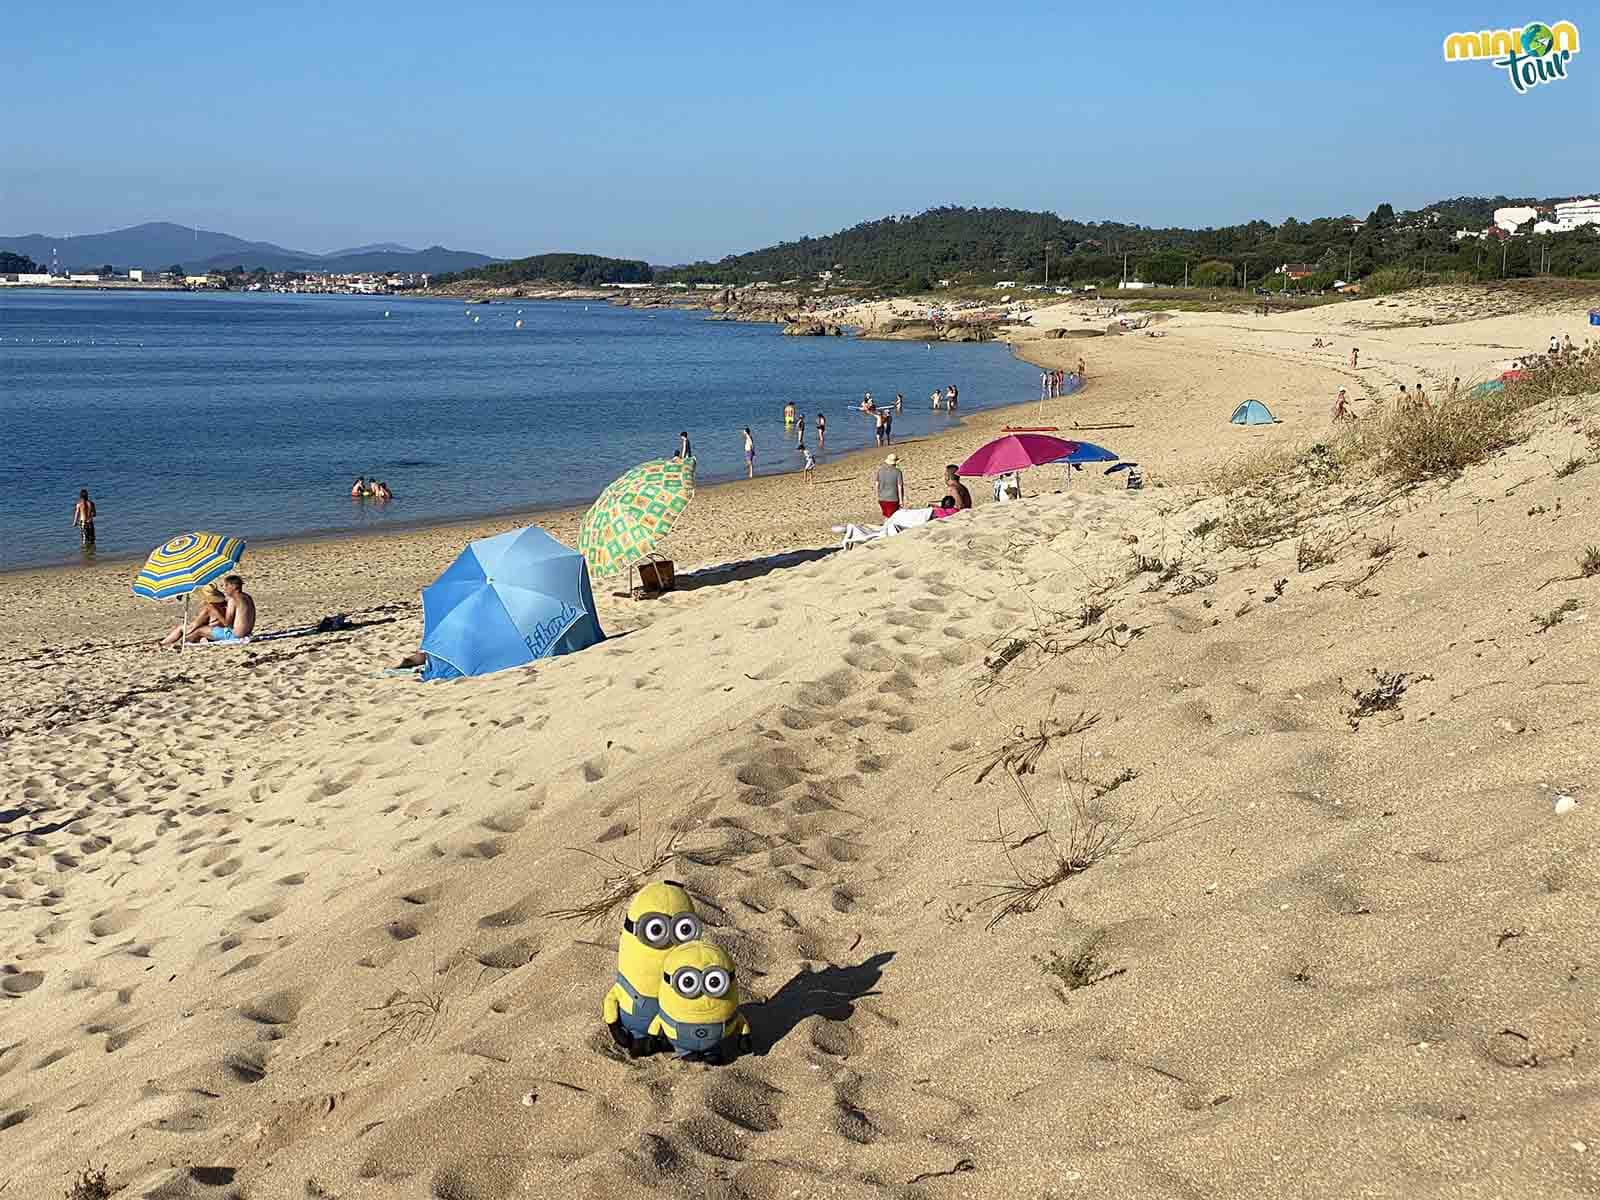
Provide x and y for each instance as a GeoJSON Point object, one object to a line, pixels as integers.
{"type": "Point", "coordinates": [506, 601]}
{"type": "Point", "coordinates": [1252, 412]}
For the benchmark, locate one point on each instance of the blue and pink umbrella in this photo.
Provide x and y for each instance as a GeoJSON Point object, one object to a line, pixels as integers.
{"type": "Point", "coordinates": [1018, 451]}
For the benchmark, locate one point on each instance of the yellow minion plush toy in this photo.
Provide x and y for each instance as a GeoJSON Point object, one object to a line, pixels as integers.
{"type": "Point", "coordinates": [699, 1004]}
{"type": "Point", "coordinates": [659, 917]}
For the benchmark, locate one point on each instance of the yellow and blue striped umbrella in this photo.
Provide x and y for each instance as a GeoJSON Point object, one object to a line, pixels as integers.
{"type": "Point", "coordinates": [188, 561]}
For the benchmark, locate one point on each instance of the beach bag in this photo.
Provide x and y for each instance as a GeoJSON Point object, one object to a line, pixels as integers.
{"type": "Point", "coordinates": [656, 575]}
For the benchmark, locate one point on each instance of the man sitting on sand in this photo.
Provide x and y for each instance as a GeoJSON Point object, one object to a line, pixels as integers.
{"type": "Point", "coordinates": [238, 618]}
{"type": "Point", "coordinates": [958, 490]}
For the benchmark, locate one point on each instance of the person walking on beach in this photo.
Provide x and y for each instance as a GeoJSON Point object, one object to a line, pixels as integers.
{"type": "Point", "coordinates": [749, 454]}
{"type": "Point", "coordinates": [891, 487]}
{"type": "Point", "coordinates": [810, 467]}
{"type": "Point", "coordinates": [1341, 407]}
{"type": "Point", "coordinates": [1355, 357]}
{"type": "Point", "coordinates": [1422, 400]}
{"type": "Point", "coordinates": [83, 518]}
{"type": "Point", "coordinates": [684, 451]}
{"type": "Point", "coordinates": [1405, 398]}
{"type": "Point", "coordinates": [822, 432]}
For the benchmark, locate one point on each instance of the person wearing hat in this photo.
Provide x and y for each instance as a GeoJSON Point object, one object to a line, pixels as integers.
{"type": "Point", "coordinates": [891, 486]}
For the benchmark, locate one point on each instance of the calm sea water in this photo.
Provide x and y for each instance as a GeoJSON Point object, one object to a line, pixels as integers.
{"type": "Point", "coordinates": [251, 414]}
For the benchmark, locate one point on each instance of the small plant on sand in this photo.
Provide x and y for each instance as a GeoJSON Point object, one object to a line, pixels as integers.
{"type": "Point", "coordinates": [1091, 612]}
{"type": "Point", "coordinates": [1384, 546]}
{"type": "Point", "coordinates": [1019, 754]}
{"type": "Point", "coordinates": [1315, 552]}
{"type": "Point", "coordinates": [1082, 968]}
{"type": "Point", "coordinates": [1060, 841]}
{"type": "Point", "coordinates": [1572, 466]}
{"type": "Point", "coordinates": [1388, 688]}
{"type": "Point", "coordinates": [90, 1185]}
{"type": "Point", "coordinates": [1251, 525]}
{"type": "Point", "coordinates": [623, 876]}
{"type": "Point", "coordinates": [1544, 622]}
{"type": "Point", "coordinates": [1194, 581]}
{"type": "Point", "coordinates": [1206, 527]}
{"type": "Point", "coordinates": [1588, 568]}
{"type": "Point", "coordinates": [411, 1014]}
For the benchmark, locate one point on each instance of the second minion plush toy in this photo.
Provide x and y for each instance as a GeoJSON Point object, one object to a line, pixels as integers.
{"type": "Point", "coordinates": [699, 1004]}
{"type": "Point", "coordinates": [659, 917]}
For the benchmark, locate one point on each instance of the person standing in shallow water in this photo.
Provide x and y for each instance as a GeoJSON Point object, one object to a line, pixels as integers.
{"type": "Point", "coordinates": [83, 517]}
{"type": "Point", "coordinates": [749, 454]}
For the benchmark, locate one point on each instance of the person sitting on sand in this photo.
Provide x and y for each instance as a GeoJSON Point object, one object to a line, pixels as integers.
{"type": "Point", "coordinates": [237, 623]}
{"type": "Point", "coordinates": [952, 479]}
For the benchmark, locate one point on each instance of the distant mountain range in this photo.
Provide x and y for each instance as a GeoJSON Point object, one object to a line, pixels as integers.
{"type": "Point", "coordinates": [161, 244]}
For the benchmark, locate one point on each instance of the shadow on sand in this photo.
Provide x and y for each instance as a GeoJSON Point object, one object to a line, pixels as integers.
{"type": "Point", "coordinates": [750, 568]}
{"type": "Point", "coordinates": [831, 993]}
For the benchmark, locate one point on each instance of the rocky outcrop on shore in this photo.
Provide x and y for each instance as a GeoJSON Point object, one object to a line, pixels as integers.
{"type": "Point", "coordinates": [932, 331]}
{"type": "Point", "coordinates": [810, 328]}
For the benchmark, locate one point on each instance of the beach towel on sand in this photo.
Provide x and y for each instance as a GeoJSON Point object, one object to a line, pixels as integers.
{"type": "Point", "coordinates": [904, 519]}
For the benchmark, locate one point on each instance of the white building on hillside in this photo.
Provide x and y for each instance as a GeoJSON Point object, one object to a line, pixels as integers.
{"type": "Point", "coordinates": [1510, 218]}
{"type": "Point", "coordinates": [1574, 213]}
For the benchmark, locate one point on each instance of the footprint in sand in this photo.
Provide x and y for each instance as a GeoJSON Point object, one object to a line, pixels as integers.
{"type": "Point", "coordinates": [20, 983]}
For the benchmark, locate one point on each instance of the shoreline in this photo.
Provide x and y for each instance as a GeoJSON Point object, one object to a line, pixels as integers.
{"type": "Point", "coordinates": [560, 512]}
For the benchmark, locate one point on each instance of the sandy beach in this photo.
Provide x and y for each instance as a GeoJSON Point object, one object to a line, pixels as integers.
{"type": "Point", "coordinates": [277, 926]}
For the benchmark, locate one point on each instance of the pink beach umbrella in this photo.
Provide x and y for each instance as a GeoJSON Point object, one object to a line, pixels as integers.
{"type": "Point", "coordinates": [1016, 451]}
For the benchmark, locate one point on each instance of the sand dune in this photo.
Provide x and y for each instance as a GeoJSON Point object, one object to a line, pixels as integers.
{"type": "Point", "coordinates": [278, 927]}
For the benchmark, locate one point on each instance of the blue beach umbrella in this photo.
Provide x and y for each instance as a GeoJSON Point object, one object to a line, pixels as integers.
{"type": "Point", "coordinates": [1088, 452]}
{"type": "Point", "coordinates": [506, 601]}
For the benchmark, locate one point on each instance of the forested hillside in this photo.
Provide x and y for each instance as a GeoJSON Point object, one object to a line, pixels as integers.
{"type": "Point", "coordinates": [987, 244]}
{"type": "Point", "coordinates": [587, 270]}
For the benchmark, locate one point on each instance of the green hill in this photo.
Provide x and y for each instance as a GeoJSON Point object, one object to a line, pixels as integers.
{"type": "Point", "coordinates": [586, 270]}
{"type": "Point", "coordinates": [982, 245]}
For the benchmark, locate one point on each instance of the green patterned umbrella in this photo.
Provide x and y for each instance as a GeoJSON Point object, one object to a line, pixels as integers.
{"type": "Point", "coordinates": [634, 513]}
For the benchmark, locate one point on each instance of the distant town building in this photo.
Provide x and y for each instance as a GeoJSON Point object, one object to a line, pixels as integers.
{"type": "Point", "coordinates": [1297, 270]}
{"type": "Point", "coordinates": [136, 275]}
{"type": "Point", "coordinates": [83, 279]}
{"type": "Point", "coordinates": [1512, 219]}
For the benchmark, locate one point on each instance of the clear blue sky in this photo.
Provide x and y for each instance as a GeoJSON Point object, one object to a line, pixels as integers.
{"type": "Point", "coordinates": [671, 132]}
